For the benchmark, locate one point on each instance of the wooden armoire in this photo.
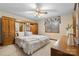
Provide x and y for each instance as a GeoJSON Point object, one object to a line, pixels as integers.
{"type": "Point", "coordinates": [7, 30]}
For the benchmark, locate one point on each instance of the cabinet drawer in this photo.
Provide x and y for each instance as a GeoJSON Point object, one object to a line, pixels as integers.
{"type": "Point", "coordinates": [55, 52]}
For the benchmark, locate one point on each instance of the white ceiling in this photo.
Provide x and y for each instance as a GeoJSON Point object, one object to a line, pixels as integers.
{"type": "Point", "coordinates": [22, 9]}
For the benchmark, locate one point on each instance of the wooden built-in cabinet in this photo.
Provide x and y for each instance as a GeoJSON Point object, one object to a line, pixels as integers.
{"type": "Point", "coordinates": [27, 26]}
{"type": "Point", "coordinates": [34, 28]}
{"type": "Point", "coordinates": [8, 30]}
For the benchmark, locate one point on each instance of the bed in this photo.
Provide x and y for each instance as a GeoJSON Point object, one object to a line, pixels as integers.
{"type": "Point", "coordinates": [31, 43]}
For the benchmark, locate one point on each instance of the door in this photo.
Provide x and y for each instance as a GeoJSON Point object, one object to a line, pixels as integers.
{"type": "Point", "coordinates": [11, 29]}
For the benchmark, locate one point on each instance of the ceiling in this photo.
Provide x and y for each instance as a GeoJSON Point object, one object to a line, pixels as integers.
{"type": "Point", "coordinates": [26, 9]}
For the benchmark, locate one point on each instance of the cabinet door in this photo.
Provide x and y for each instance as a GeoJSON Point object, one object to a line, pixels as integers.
{"type": "Point", "coordinates": [4, 24]}
{"type": "Point", "coordinates": [5, 37]}
{"type": "Point", "coordinates": [11, 29]}
{"type": "Point", "coordinates": [34, 28]}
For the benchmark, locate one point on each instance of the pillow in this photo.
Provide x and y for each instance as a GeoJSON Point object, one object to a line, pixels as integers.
{"type": "Point", "coordinates": [20, 33]}
{"type": "Point", "coordinates": [27, 33]}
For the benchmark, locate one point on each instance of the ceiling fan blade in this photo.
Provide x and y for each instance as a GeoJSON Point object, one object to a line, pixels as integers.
{"type": "Point", "coordinates": [29, 11]}
{"type": "Point", "coordinates": [51, 10]}
{"type": "Point", "coordinates": [43, 12]}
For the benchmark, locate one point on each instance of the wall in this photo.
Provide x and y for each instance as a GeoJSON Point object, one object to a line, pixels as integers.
{"type": "Point", "coordinates": [18, 18]}
{"type": "Point", "coordinates": [65, 20]}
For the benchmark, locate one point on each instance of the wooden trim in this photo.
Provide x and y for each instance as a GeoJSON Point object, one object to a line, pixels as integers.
{"type": "Point", "coordinates": [20, 22]}
{"type": "Point", "coordinates": [74, 25]}
{"type": "Point", "coordinates": [26, 22]}
{"type": "Point", "coordinates": [74, 19]}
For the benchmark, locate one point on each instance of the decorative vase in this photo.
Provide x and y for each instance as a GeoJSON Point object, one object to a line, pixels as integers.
{"type": "Point", "coordinates": [70, 40]}
{"type": "Point", "coordinates": [77, 41]}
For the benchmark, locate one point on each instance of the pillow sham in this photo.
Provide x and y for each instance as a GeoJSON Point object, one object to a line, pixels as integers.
{"type": "Point", "coordinates": [27, 33]}
{"type": "Point", "coordinates": [20, 33]}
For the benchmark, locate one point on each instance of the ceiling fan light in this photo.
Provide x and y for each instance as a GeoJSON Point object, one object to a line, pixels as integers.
{"type": "Point", "coordinates": [45, 12]}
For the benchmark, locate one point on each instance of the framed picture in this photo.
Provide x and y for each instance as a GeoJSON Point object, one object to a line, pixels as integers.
{"type": "Point", "coordinates": [21, 27]}
{"type": "Point", "coordinates": [52, 24]}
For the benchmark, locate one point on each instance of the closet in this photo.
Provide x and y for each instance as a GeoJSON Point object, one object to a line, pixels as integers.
{"type": "Point", "coordinates": [7, 30]}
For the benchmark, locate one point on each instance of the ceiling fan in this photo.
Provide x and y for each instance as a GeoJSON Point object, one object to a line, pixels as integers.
{"type": "Point", "coordinates": [37, 11]}
{"type": "Point", "coordinates": [40, 10]}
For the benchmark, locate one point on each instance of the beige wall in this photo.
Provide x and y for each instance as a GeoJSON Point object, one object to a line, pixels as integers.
{"type": "Point", "coordinates": [65, 20]}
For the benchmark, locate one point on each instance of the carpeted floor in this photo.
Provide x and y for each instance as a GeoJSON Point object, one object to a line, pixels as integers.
{"type": "Point", "coordinates": [14, 50]}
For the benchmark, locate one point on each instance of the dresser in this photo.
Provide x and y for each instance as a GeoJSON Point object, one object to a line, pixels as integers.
{"type": "Point", "coordinates": [62, 49]}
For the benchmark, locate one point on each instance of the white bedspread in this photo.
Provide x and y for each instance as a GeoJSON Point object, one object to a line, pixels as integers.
{"type": "Point", "coordinates": [31, 43]}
